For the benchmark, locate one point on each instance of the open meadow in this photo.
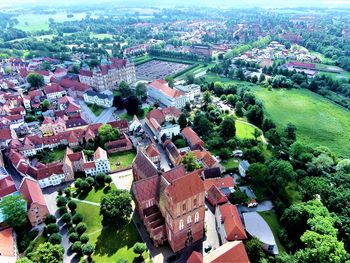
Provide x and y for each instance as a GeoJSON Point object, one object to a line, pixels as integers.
{"type": "Point", "coordinates": [318, 120]}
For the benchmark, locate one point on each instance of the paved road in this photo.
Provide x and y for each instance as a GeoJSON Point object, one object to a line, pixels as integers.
{"type": "Point", "coordinates": [263, 206]}
{"type": "Point", "coordinates": [16, 177]}
{"type": "Point", "coordinates": [211, 236]}
{"type": "Point", "coordinates": [90, 117]}
{"type": "Point", "coordinates": [164, 160]}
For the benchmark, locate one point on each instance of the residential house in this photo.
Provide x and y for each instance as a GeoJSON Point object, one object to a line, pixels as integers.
{"type": "Point", "coordinates": [69, 106]}
{"type": "Point", "coordinates": [7, 185]}
{"type": "Point", "coordinates": [54, 91]}
{"type": "Point", "coordinates": [8, 248]}
{"type": "Point", "coordinates": [172, 152]}
{"type": "Point", "coordinates": [75, 88]}
{"type": "Point", "coordinates": [153, 153]}
{"type": "Point", "coordinates": [243, 168]}
{"type": "Point", "coordinates": [99, 164]}
{"type": "Point", "coordinates": [120, 145]}
{"type": "Point", "coordinates": [51, 127]}
{"type": "Point", "coordinates": [228, 223]}
{"type": "Point", "coordinates": [36, 204]}
{"type": "Point", "coordinates": [121, 125]}
{"type": "Point", "coordinates": [135, 124]}
{"type": "Point", "coordinates": [159, 91]}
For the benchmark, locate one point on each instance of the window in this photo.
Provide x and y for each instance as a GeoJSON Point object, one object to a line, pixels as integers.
{"type": "Point", "coordinates": [184, 207]}
{"type": "Point", "coordinates": [196, 217]}
{"type": "Point", "coordinates": [195, 202]}
{"type": "Point", "coordinates": [181, 225]}
{"type": "Point", "coordinates": [189, 220]}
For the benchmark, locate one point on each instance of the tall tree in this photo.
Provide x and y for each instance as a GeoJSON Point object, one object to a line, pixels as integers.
{"type": "Point", "coordinates": [48, 253]}
{"type": "Point", "coordinates": [189, 161]}
{"type": "Point", "coordinates": [207, 97]}
{"type": "Point", "coordinates": [141, 90]}
{"type": "Point", "coordinates": [116, 207]}
{"type": "Point", "coordinates": [124, 89]}
{"type": "Point", "coordinates": [228, 128]}
{"type": "Point", "coordinates": [13, 207]}
{"type": "Point", "coordinates": [170, 81]}
{"type": "Point", "coordinates": [107, 133]}
{"type": "Point", "coordinates": [35, 80]}
{"type": "Point", "coordinates": [132, 105]}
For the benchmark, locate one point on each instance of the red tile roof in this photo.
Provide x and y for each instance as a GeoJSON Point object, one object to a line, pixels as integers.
{"type": "Point", "coordinates": [5, 134]}
{"type": "Point", "coordinates": [192, 137]}
{"type": "Point", "coordinates": [174, 173]}
{"type": "Point", "coordinates": [232, 222]}
{"type": "Point", "coordinates": [31, 191]}
{"type": "Point", "coordinates": [147, 188]}
{"type": "Point", "coordinates": [53, 88]}
{"type": "Point", "coordinates": [89, 165]}
{"type": "Point", "coordinates": [233, 252]}
{"type": "Point", "coordinates": [100, 154]}
{"type": "Point", "coordinates": [218, 182]}
{"type": "Point", "coordinates": [162, 86]}
{"type": "Point", "coordinates": [215, 196]}
{"type": "Point", "coordinates": [74, 85]}
{"type": "Point", "coordinates": [7, 186]}
{"type": "Point", "coordinates": [184, 187]}
{"type": "Point", "coordinates": [7, 248]}
{"type": "Point", "coordinates": [195, 257]}
{"type": "Point", "coordinates": [152, 151]}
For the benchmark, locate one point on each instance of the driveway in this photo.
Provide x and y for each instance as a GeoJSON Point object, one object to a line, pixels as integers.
{"type": "Point", "coordinates": [263, 206]}
{"type": "Point", "coordinates": [211, 237]}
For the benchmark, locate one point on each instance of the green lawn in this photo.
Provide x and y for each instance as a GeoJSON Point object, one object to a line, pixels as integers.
{"type": "Point", "coordinates": [95, 109]}
{"type": "Point", "coordinates": [244, 131]}
{"type": "Point", "coordinates": [272, 220]}
{"type": "Point", "coordinates": [318, 120]}
{"type": "Point", "coordinates": [230, 164]}
{"type": "Point", "coordinates": [124, 158]}
{"type": "Point", "coordinates": [101, 36]}
{"type": "Point", "coordinates": [51, 156]}
{"type": "Point", "coordinates": [96, 194]}
{"type": "Point", "coordinates": [110, 243]}
{"type": "Point", "coordinates": [126, 116]}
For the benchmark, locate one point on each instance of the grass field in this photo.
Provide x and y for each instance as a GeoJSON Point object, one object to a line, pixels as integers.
{"type": "Point", "coordinates": [96, 194]}
{"type": "Point", "coordinates": [124, 158]}
{"type": "Point", "coordinates": [128, 117]}
{"type": "Point", "coordinates": [318, 120]}
{"type": "Point", "coordinates": [95, 109]}
{"type": "Point", "coordinates": [272, 220]}
{"type": "Point", "coordinates": [244, 131]}
{"type": "Point", "coordinates": [51, 156]}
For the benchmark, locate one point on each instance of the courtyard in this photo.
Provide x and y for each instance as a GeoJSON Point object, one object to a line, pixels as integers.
{"type": "Point", "coordinates": [157, 69]}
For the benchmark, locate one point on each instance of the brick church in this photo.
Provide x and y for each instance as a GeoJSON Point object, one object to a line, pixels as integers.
{"type": "Point", "coordinates": [170, 204]}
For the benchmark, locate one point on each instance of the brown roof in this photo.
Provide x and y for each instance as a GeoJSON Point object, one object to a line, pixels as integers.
{"type": "Point", "coordinates": [233, 252]}
{"type": "Point", "coordinates": [192, 137]}
{"type": "Point", "coordinates": [219, 182]}
{"type": "Point", "coordinates": [184, 187]}
{"type": "Point", "coordinates": [162, 86]}
{"type": "Point", "coordinates": [7, 186]}
{"type": "Point", "coordinates": [142, 165]}
{"type": "Point", "coordinates": [5, 134]}
{"type": "Point", "coordinates": [195, 257]}
{"type": "Point", "coordinates": [45, 171]}
{"type": "Point", "coordinates": [174, 173]}
{"type": "Point", "coordinates": [120, 124]}
{"type": "Point", "coordinates": [31, 192]}
{"type": "Point", "coordinates": [215, 196]}
{"type": "Point", "coordinates": [89, 165]}
{"type": "Point", "coordinates": [152, 151]}
{"type": "Point", "coordinates": [147, 188]}
{"type": "Point", "coordinates": [53, 88]}
{"type": "Point", "coordinates": [232, 222]}
{"type": "Point", "coordinates": [7, 248]}
{"type": "Point", "coordinates": [74, 85]}
{"type": "Point", "coordinates": [100, 154]}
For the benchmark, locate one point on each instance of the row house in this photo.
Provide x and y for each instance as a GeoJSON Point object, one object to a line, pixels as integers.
{"type": "Point", "coordinates": [192, 139]}
{"type": "Point", "coordinates": [54, 91]}
{"type": "Point", "coordinates": [48, 174]}
{"type": "Point", "coordinates": [99, 164]}
{"type": "Point", "coordinates": [75, 88]}
{"type": "Point", "coordinates": [160, 91]}
{"type": "Point", "coordinates": [51, 127]}
{"type": "Point", "coordinates": [120, 145]}
{"type": "Point", "coordinates": [163, 123]}
{"type": "Point", "coordinates": [108, 77]}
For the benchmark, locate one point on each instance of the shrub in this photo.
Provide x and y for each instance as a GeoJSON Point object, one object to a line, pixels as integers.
{"type": "Point", "coordinates": [100, 179]}
{"type": "Point", "coordinates": [77, 218]}
{"type": "Point", "coordinates": [72, 205]}
{"type": "Point", "coordinates": [108, 179]}
{"type": "Point", "coordinates": [52, 228]}
{"type": "Point", "coordinates": [81, 228]}
{"type": "Point", "coordinates": [61, 201]}
{"type": "Point", "coordinates": [50, 219]}
{"type": "Point", "coordinates": [84, 238]}
{"type": "Point", "coordinates": [77, 247]}
{"type": "Point", "coordinates": [67, 192]}
{"type": "Point", "coordinates": [90, 181]}
{"type": "Point", "coordinates": [55, 239]}
{"type": "Point", "coordinates": [62, 210]}
{"type": "Point", "coordinates": [88, 249]}
{"type": "Point", "coordinates": [66, 218]}
{"type": "Point", "coordinates": [73, 237]}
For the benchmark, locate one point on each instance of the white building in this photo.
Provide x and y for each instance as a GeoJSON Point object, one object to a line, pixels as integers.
{"type": "Point", "coordinates": [54, 91]}
{"type": "Point", "coordinates": [102, 99]}
{"type": "Point", "coordinates": [243, 168]}
{"type": "Point", "coordinates": [100, 164]}
{"type": "Point", "coordinates": [159, 91]}
{"type": "Point", "coordinates": [192, 91]}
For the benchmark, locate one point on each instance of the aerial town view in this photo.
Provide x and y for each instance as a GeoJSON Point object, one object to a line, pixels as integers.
{"type": "Point", "coordinates": [175, 131]}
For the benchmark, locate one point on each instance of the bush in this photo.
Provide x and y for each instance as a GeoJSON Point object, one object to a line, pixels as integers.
{"type": "Point", "coordinates": [139, 248]}
{"type": "Point", "coordinates": [100, 179]}
{"type": "Point", "coordinates": [72, 205]}
{"type": "Point", "coordinates": [85, 186]}
{"type": "Point", "coordinates": [73, 237]}
{"type": "Point", "coordinates": [90, 181]}
{"type": "Point", "coordinates": [88, 249]}
{"type": "Point", "coordinates": [50, 219]}
{"type": "Point", "coordinates": [81, 228]}
{"type": "Point", "coordinates": [67, 192]}
{"type": "Point", "coordinates": [84, 238]}
{"type": "Point", "coordinates": [66, 218]}
{"type": "Point", "coordinates": [108, 179]}
{"type": "Point", "coordinates": [77, 247]}
{"type": "Point", "coordinates": [61, 201]}
{"type": "Point", "coordinates": [55, 239]}
{"type": "Point", "coordinates": [77, 218]}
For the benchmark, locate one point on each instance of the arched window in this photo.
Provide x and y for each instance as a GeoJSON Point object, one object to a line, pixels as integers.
{"type": "Point", "coordinates": [196, 217]}
{"type": "Point", "coordinates": [189, 220]}
{"type": "Point", "coordinates": [181, 224]}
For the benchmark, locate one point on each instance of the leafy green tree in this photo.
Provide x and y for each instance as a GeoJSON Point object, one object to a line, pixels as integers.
{"type": "Point", "coordinates": [73, 237]}
{"type": "Point", "coordinates": [50, 219]}
{"type": "Point", "coordinates": [107, 133]}
{"type": "Point", "coordinates": [139, 248]}
{"type": "Point", "coordinates": [255, 115]}
{"type": "Point", "coordinates": [45, 104]}
{"type": "Point", "coordinates": [116, 207]}
{"type": "Point", "coordinates": [72, 205]}
{"type": "Point", "coordinates": [81, 228]}
{"type": "Point", "coordinates": [13, 208]}
{"type": "Point", "coordinates": [124, 89]}
{"type": "Point", "coordinates": [35, 80]}
{"type": "Point", "coordinates": [180, 143]}
{"type": "Point", "coordinates": [77, 247]}
{"type": "Point", "coordinates": [190, 78]}
{"type": "Point", "coordinates": [344, 166]}
{"type": "Point", "coordinates": [141, 90]}
{"type": "Point", "coordinates": [207, 98]}
{"type": "Point", "coordinates": [52, 228]}
{"type": "Point", "coordinates": [66, 218]}
{"type": "Point", "coordinates": [55, 239]}
{"type": "Point", "coordinates": [182, 121]}
{"type": "Point", "coordinates": [108, 180]}
{"type": "Point", "coordinates": [48, 253]}
{"type": "Point", "coordinates": [88, 249]}
{"type": "Point", "coordinates": [238, 197]}
{"type": "Point", "coordinates": [255, 155]}
{"type": "Point", "coordinates": [228, 128]}
{"type": "Point", "coordinates": [232, 99]}
{"type": "Point", "coordinates": [132, 105]}
{"type": "Point", "coordinates": [202, 125]}
{"type": "Point", "coordinates": [257, 133]}
{"type": "Point", "coordinates": [77, 218]}
{"type": "Point", "coordinates": [189, 161]}
{"type": "Point", "coordinates": [262, 77]}
{"type": "Point", "coordinates": [254, 250]}
{"type": "Point", "coordinates": [258, 172]}
{"type": "Point", "coordinates": [61, 201]}
{"type": "Point", "coordinates": [280, 173]}
{"type": "Point", "coordinates": [100, 179]}
{"type": "Point", "coordinates": [267, 125]}
{"type": "Point", "coordinates": [84, 238]}
{"type": "Point", "coordinates": [24, 260]}
{"type": "Point", "coordinates": [170, 81]}
{"type": "Point", "coordinates": [239, 109]}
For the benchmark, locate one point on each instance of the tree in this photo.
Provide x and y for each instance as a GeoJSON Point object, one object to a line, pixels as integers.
{"type": "Point", "coordinates": [254, 250]}
{"type": "Point", "coordinates": [239, 109]}
{"type": "Point", "coordinates": [182, 121]}
{"type": "Point", "coordinates": [14, 210]}
{"type": "Point", "coordinates": [280, 173]}
{"type": "Point", "coordinates": [107, 133]}
{"type": "Point", "coordinates": [141, 90]}
{"type": "Point", "coordinates": [24, 260]}
{"type": "Point", "coordinates": [207, 97]}
{"type": "Point", "coordinates": [48, 253]}
{"type": "Point", "coordinates": [50, 219]}
{"type": "Point", "coordinates": [85, 186]}
{"type": "Point", "coordinates": [255, 155]}
{"type": "Point", "coordinates": [189, 161]}
{"type": "Point", "coordinates": [55, 239]}
{"type": "Point", "coordinates": [100, 179]}
{"type": "Point", "coordinates": [139, 248]}
{"type": "Point", "coordinates": [77, 247]}
{"type": "Point", "coordinates": [257, 133]}
{"type": "Point", "coordinates": [122, 260]}
{"type": "Point", "coordinates": [180, 143]}
{"type": "Point", "coordinates": [77, 218]}
{"type": "Point", "coordinates": [108, 179]}
{"type": "Point", "coordinates": [88, 249]}
{"type": "Point", "coordinates": [290, 132]}
{"type": "Point", "coordinates": [124, 89]}
{"type": "Point", "coordinates": [228, 128]}
{"type": "Point", "coordinates": [78, 182]}
{"type": "Point", "coordinates": [73, 237]}
{"type": "Point", "coordinates": [267, 125]}
{"type": "Point", "coordinates": [66, 218]}
{"type": "Point", "coordinates": [258, 172]}
{"type": "Point", "coordinates": [170, 81]}
{"type": "Point", "coordinates": [72, 205]}
{"type": "Point", "coordinates": [202, 125]}
{"type": "Point", "coordinates": [52, 228]}
{"type": "Point", "coordinates": [45, 104]}
{"type": "Point", "coordinates": [344, 166]}
{"type": "Point", "coordinates": [35, 80]}
{"type": "Point", "coordinates": [116, 207]}
{"type": "Point", "coordinates": [81, 228]}
{"type": "Point", "coordinates": [262, 77]}
{"type": "Point", "coordinates": [238, 197]}
{"type": "Point", "coordinates": [232, 99]}
{"type": "Point", "coordinates": [131, 105]}
{"type": "Point", "coordinates": [61, 201]}
{"type": "Point", "coordinates": [84, 238]}
{"type": "Point", "coordinates": [255, 115]}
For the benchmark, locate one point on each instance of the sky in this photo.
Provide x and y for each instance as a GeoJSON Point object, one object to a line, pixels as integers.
{"type": "Point", "coordinates": [213, 3]}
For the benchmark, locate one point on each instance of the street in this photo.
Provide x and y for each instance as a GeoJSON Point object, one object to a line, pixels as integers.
{"type": "Point", "coordinates": [211, 235]}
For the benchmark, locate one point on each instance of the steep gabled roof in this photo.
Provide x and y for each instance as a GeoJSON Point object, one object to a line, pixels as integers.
{"type": "Point", "coordinates": [31, 191]}
{"type": "Point", "coordinates": [143, 165]}
{"type": "Point", "coordinates": [232, 222]}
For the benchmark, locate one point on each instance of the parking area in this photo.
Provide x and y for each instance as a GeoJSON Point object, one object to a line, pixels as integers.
{"type": "Point", "coordinates": [157, 69]}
